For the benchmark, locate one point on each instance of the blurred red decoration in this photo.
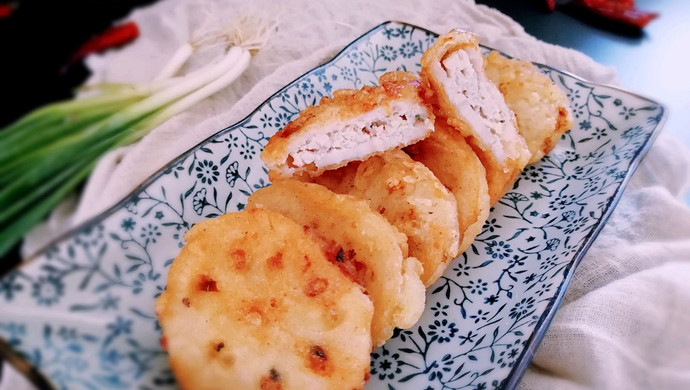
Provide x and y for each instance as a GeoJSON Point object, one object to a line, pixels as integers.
{"type": "Point", "coordinates": [6, 10]}
{"type": "Point", "coordinates": [622, 11]}
{"type": "Point", "coordinates": [115, 36]}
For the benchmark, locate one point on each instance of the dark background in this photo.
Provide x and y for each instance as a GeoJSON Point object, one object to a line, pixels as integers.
{"type": "Point", "coordinates": [37, 40]}
{"type": "Point", "coordinates": [39, 37]}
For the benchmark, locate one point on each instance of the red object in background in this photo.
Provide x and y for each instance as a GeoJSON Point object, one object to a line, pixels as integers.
{"type": "Point", "coordinates": [113, 37]}
{"type": "Point", "coordinates": [622, 11]}
{"type": "Point", "coordinates": [6, 10]}
{"type": "Point", "coordinates": [551, 4]}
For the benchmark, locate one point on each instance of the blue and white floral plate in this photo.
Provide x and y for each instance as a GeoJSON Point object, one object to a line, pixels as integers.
{"type": "Point", "coordinates": [81, 312]}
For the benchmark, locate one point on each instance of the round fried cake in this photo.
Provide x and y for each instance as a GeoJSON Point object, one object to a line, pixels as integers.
{"type": "Point", "coordinates": [411, 198]}
{"type": "Point", "coordinates": [252, 303]}
{"type": "Point", "coordinates": [454, 163]}
{"type": "Point", "coordinates": [361, 243]}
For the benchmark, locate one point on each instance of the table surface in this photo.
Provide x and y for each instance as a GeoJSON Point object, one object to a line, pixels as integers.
{"type": "Point", "coordinates": [651, 63]}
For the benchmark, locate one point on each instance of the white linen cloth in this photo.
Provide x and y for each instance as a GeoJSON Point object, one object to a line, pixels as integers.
{"type": "Point", "coordinates": [625, 320]}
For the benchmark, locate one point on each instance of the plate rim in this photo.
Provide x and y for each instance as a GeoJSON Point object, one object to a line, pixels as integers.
{"type": "Point", "coordinates": [524, 360]}
{"type": "Point", "coordinates": [35, 377]}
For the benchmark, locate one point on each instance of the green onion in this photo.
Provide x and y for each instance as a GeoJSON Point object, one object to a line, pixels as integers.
{"type": "Point", "coordinates": [46, 154]}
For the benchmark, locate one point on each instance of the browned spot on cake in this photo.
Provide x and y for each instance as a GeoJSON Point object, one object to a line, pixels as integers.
{"type": "Point", "coordinates": [272, 381]}
{"type": "Point", "coordinates": [393, 187]}
{"type": "Point", "coordinates": [290, 161]}
{"type": "Point", "coordinates": [318, 361]}
{"type": "Point", "coordinates": [315, 287]}
{"type": "Point", "coordinates": [207, 284]}
{"type": "Point", "coordinates": [275, 261]}
{"type": "Point", "coordinates": [307, 263]}
{"type": "Point", "coordinates": [239, 259]}
{"type": "Point", "coordinates": [354, 269]}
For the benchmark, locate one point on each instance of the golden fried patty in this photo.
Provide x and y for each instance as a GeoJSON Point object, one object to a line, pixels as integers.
{"type": "Point", "coordinates": [361, 243]}
{"type": "Point", "coordinates": [454, 163]}
{"type": "Point", "coordinates": [411, 198]}
{"type": "Point", "coordinates": [252, 303]}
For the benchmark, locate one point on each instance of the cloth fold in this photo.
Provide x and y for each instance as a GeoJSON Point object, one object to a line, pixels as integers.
{"type": "Point", "coordinates": [624, 320]}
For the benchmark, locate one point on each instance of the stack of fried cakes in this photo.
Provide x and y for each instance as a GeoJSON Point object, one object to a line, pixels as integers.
{"type": "Point", "coordinates": [375, 191]}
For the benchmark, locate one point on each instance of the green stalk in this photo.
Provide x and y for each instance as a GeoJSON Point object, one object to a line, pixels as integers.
{"type": "Point", "coordinates": [39, 169]}
{"type": "Point", "coordinates": [31, 194]}
{"type": "Point", "coordinates": [46, 164]}
{"type": "Point", "coordinates": [58, 109]}
{"type": "Point", "coordinates": [78, 139]}
{"type": "Point", "coordinates": [11, 234]}
{"type": "Point", "coordinates": [7, 178]}
{"type": "Point", "coordinates": [14, 132]}
{"type": "Point", "coordinates": [45, 179]}
{"type": "Point", "coordinates": [146, 106]}
{"type": "Point", "coordinates": [28, 204]}
{"type": "Point", "coordinates": [27, 147]}
{"type": "Point", "coordinates": [121, 96]}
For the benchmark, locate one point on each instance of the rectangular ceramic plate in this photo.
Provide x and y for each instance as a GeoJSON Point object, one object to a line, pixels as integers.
{"type": "Point", "coordinates": [82, 313]}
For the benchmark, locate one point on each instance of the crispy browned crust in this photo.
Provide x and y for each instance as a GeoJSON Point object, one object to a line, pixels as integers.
{"type": "Point", "coordinates": [411, 198]}
{"type": "Point", "coordinates": [452, 41]}
{"type": "Point", "coordinates": [361, 242]}
{"type": "Point", "coordinates": [345, 104]}
{"type": "Point", "coordinates": [340, 181]}
{"type": "Point", "coordinates": [255, 281]}
{"type": "Point", "coordinates": [499, 177]}
{"type": "Point", "coordinates": [541, 121]}
{"type": "Point", "coordinates": [447, 154]}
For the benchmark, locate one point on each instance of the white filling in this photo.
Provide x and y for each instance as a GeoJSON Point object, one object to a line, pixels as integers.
{"type": "Point", "coordinates": [375, 131]}
{"type": "Point", "coordinates": [477, 100]}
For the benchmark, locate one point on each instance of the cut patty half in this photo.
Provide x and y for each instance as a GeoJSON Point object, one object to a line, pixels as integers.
{"type": "Point", "coordinates": [361, 243]}
{"type": "Point", "coordinates": [453, 69]}
{"type": "Point", "coordinates": [541, 108]}
{"type": "Point", "coordinates": [352, 125]}
{"type": "Point", "coordinates": [252, 303]}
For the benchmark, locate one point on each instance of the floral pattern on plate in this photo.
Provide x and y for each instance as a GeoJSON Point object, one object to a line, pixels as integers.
{"type": "Point", "coordinates": [82, 310]}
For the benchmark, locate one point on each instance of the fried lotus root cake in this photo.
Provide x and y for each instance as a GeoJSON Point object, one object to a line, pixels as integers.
{"type": "Point", "coordinates": [361, 243]}
{"type": "Point", "coordinates": [460, 91]}
{"type": "Point", "coordinates": [251, 302]}
{"type": "Point", "coordinates": [541, 108]}
{"type": "Point", "coordinates": [454, 163]}
{"type": "Point", "coordinates": [350, 126]}
{"type": "Point", "coordinates": [412, 199]}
